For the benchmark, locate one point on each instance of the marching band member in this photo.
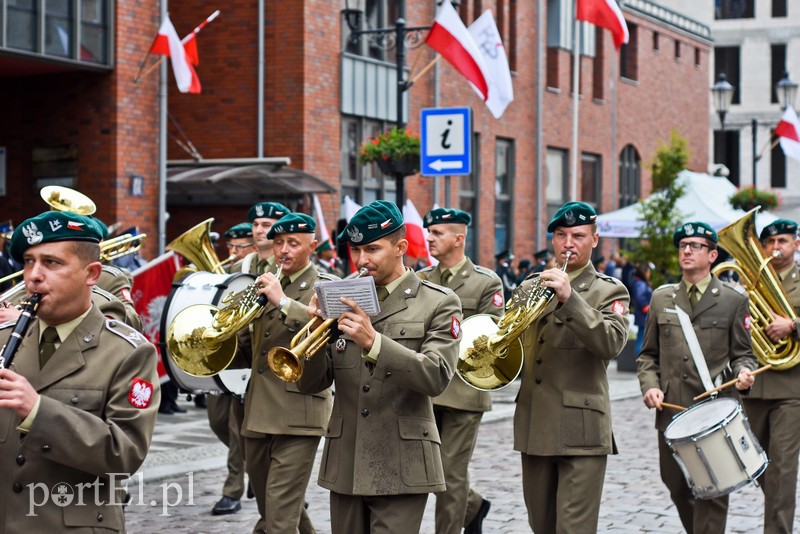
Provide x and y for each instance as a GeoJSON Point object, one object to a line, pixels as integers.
{"type": "Point", "coordinates": [666, 368]}
{"type": "Point", "coordinates": [382, 448]}
{"type": "Point", "coordinates": [460, 408]}
{"type": "Point", "coordinates": [562, 424]}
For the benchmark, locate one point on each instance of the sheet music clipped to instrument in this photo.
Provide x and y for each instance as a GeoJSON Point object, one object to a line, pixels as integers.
{"type": "Point", "coordinates": [362, 290]}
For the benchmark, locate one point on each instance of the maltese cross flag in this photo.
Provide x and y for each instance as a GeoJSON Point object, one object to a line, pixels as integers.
{"type": "Point", "coordinates": [167, 43]}
{"type": "Point", "coordinates": [788, 130]}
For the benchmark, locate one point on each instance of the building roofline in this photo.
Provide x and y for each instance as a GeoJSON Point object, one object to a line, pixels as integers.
{"type": "Point", "coordinates": [673, 19]}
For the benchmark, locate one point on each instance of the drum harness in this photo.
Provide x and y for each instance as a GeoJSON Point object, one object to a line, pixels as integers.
{"type": "Point", "coordinates": [694, 346]}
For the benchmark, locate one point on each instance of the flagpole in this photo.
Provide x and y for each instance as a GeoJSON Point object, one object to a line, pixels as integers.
{"type": "Point", "coordinates": [425, 69]}
{"type": "Point", "coordinates": [576, 72]}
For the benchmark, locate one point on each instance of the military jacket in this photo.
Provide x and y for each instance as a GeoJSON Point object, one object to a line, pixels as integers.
{"type": "Point", "coordinates": [721, 321]}
{"type": "Point", "coordinates": [480, 290]}
{"type": "Point", "coordinates": [99, 398]}
{"type": "Point", "coordinates": [783, 384]}
{"type": "Point", "coordinates": [563, 406]}
{"type": "Point", "coordinates": [118, 283]}
{"type": "Point", "coordinates": [382, 437]}
{"type": "Point", "coordinates": [273, 406]}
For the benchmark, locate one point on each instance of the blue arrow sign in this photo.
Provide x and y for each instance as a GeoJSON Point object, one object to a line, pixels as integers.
{"type": "Point", "coordinates": [445, 139]}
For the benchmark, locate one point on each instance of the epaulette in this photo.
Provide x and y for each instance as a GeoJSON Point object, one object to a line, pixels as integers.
{"type": "Point", "coordinates": [608, 278]}
{"type": "Point", "coordinates": [103, 293]}
{"type": "Point", "coordinates": [735, 287]}
{"type": "Point", "coordinates": [664, 287]}
{"type": "Point", "coordinates": [327, 276]}
{"type": "Point", "coordinates": [483, 270]}
{"type": "Point", "coordinates": [426, 269]}
{"type": "Point", "coordinates": [113, 271]}
{"type": "Point", "coordinates": [445, 290]}
{"type": "Point", "coordinates": [132, 336]}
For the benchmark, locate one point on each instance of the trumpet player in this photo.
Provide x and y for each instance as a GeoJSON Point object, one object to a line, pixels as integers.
{"type": "Point", "coordinates": [773, 405]}
{"type": "Point", "coordinates": [382, 454]}
{"type": "Point", "coordinates": [282, 427]}
{"type": "Point", "coordinates": [562, 424]}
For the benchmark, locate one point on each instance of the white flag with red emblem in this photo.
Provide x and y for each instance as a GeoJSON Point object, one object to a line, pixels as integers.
{"type": "Point", "coordinates": [487, 37]}
{"type": "Point", "coordinates": [788, 130]}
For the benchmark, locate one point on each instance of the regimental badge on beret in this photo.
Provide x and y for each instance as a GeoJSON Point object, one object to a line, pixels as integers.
{"type": "Point", "coordinates": [373, 221]}
{"type": "Point", "coordinates": [694, 229]}
{"type": "Point", "coordinates": [780, 226]}
{"type": "Point", "coordinates": [573, 214]}
{"type": "Point", "coordinates": [53, 226]}
{"type": "Point", "coordinates": [446, 216]}
{"type": "Point", "coordinates": [293, 223]}
{"type": "Point", "coordinates": [268, 210]}
{"type": "Point", "coordinates": [355, 234]}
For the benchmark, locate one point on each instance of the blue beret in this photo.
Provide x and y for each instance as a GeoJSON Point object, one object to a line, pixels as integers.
{"type": "Point", "coordinates": [239, 231]}
{"type": "Point", "coordinates": [267, 210]}
{"type": "Point", "coordinates": [573, 214]}
{"type": "Point", "coordinates": [373, 221]}
{"type": "Point", "coordinates": [781, 226]}
{"type": "Point", "coordinates": [446, 216]}
{"type": "Point", "coordinates": [694, 229]}
{"type": "Point", "coordinates": [293, 223]}
{"type": "Point", "coordinates": [53, 226]}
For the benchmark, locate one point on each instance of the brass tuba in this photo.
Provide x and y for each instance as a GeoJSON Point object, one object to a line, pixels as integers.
{"type": "Point", "coordinates": [763, 287]}
{"type": "Point", "coordinates": [491, 355]}
{"type": "Point", "coordinates": [195, 245]}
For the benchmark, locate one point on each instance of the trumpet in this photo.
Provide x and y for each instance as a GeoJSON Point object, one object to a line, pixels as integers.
{"type": "Point", "coordinates": [287, 364]}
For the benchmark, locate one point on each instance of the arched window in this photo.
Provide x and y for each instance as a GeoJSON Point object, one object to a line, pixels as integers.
{"type": "Point", "coordinates": [630, 176]}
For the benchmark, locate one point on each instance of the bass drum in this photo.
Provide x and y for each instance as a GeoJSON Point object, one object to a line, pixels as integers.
{"type": "Point", "coordinates": [204, 288]}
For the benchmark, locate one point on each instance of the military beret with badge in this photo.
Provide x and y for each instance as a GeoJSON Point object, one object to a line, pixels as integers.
{"type": "Point", "coordinates": [325, 245]}
{"type": "Point", "coordinates": [445, 216]}
{"type": "Point", "coordinates": [52, 226]}
{"type": "Point", "coordinates": [372, 222]}
{"type": "Point", "coordinates": [267, 210]}
{"type": "Point", "coordinates": [573, 214]}
{"type": "Point", "coordinates": [239, 231]}
{"type": "Point", "coordinates": [694, 229]}
{"type": "Point", "coordinates": [293, 223]}
{"type": "Point", "coordinates": [781, 226]}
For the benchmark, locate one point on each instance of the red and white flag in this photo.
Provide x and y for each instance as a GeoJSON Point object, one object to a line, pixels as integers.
{"type": "Point", "coordinates": [487, 37]}
{"type": "Point", "coordinates": [606, 14]}
{"type": "Point", "coordinates": [416, 234]}
{"type": "Point", "coordinates": [452, 40]}
{"type": "Point", "coordinates": [152, 284]}
{"type": "Point", "coordinates": [322, 228]}
{"type": "Point", "coordinates": [167, 43]}
{"type": "Point", "coordinates": [788, 130]}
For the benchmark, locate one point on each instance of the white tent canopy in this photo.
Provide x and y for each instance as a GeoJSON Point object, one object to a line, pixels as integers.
{"type": "Point", "coordinates": [705, 199]}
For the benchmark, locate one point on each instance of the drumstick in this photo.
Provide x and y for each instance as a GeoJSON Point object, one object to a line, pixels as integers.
{"type": "Point", "coordinates": [673, 406]}
{"type": "Point", "coordinates": [730, 383]}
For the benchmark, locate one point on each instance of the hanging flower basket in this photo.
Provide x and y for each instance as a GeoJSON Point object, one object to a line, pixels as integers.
{"type": "Point", "coordinates": [396, 152]}
{"type": "Point", "coordinates": [403, 166]}
{"type": "Point", "coordinates": [748, 198]}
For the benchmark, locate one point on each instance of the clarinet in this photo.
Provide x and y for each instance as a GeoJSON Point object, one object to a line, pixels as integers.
{"type": "Point", "coordinates": [23, 322]}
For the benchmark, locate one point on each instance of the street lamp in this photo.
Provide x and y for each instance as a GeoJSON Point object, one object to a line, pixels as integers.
{"type": "Point", "coordinates": [722, 93]}
{"type": "Point", "coordinates": [787, 91]}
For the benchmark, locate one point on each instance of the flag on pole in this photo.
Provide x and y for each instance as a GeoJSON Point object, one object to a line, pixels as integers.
{"type": "Point", "coordinates": [452, 40]}
{"type": "Point", "coordinates": [152, 284]}
{"type": "Point", "coordinates": [606, 14]}
{"type": "Point", "coordinates": [324, 234]}
{"type": "Point", "coordinates": [167, 43]}
{"type": "Point", "coordinates": [788, 130]}
{"type": "Point", "coordinates": [416, 234]}
{"type": "Point", "coordinates": [487, 37]}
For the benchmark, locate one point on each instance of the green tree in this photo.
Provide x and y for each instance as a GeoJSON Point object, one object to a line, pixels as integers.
{"type": "Point", "coordinates": [660, 214]}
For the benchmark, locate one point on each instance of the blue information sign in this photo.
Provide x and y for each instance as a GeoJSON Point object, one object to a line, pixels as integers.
{"type": "Point", "coordinates": [445, 138]}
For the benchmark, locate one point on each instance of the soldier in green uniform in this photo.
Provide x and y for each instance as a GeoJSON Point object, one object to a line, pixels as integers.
{"type": "Point", "coordinates": [79, 401]}
{"type": "Point", "coordinates": [460, 408]}
{"type": "Point", "coordinates": [562, 424]}
{"type": "Point", "coordinates": [239, 241]}
{"type": "Point", "coordinates": [773, 405]}
{"type": "Point", "coordinates": [382, 448]}
{"type": "Point", "coordinates": [262, 215]}
{"type": "Point", "coordinates": [666, 369]}
{"type": "Point", "coordinates": [326, 260]}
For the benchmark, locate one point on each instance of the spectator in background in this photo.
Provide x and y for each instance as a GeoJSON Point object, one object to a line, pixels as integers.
{"type": "Point", "coordinates": [626, 272]}
{"type": "Point", "coordinates": [541, 257]}
{"type": "Point", "coordinates": [641, 294]}
{"type": "Point", "coordinates": [524, 269]}
{"type": "Point", "coordinates": [600, 264]}
{"type": "Point", "coordinates": [506, 272]}
{"type": "Point", "coordinates": [611, 265]}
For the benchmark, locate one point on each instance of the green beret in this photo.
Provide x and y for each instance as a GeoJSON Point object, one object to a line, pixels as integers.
{"type": "Point", "coordinates": [101, 225]}
{"type": "Point", "coordinates": [694, 229]}
{"type": "Point", "coordinates": [53, 226]}
{"type": "Point", "coordinates": [573, 214]}
{"type": "Point", "coordinates": [325, 245]}
{"type": "Point", "coordinates": [267, 210]}
{"type": "Point", "coordinates": [446, 216]}
{"type": "Point", "coordinates": [373, 221]}
{"type": "Point", "coordinates": [293, 223]}
{"type": "Point", "coordinates": [781, 226]}
{"type": "Point", "coordinates": [240, 231]}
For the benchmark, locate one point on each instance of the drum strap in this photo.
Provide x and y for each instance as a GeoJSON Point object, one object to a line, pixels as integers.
{"type": "Point", "coordinates": [248, 261]}
{"type": "Point", "coordinates": [694, 347]}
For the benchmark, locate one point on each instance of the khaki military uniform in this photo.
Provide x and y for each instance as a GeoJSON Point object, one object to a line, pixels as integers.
{"type": "Point", "coordinates": [562, 424]}
{"type": "Point", "coordinates": [282, 426]}
{"type": "Point", "coordinates": [382, 448]}
{"type": "Point", "coordinates": [96, 416]}
{"type": "Point", "coordinates": [773, 407]}
{"type": "Point", "coordinates": [721, 321]}
{"type": "Point", "coordinates": [119, 283]}
{"type": "Point", "coordinates": [460, 408]}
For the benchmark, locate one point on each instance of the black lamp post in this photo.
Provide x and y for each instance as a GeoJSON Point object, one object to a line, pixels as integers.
{"type": "Point", "coordinates": [722, 94]}
{"type": "Point", "coordinates": [399, 37]}
{"type": "Point", "coordinates": [787, 91]}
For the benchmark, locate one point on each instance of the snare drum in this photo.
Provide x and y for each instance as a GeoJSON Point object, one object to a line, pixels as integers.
{"type": "Point", "coordinates": [204, 288]}
{"type": "Point", "coordinates": [715, 448]}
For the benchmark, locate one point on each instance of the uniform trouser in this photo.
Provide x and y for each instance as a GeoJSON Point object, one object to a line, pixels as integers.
{"type": "Point", "coordinates": [699, 516]}
{"type": "Point", "coordinates": [458, 430]}
{"type": "Point", "coordinates": [776, 425]}
{"type": "Point", "coordinates": [562, 493]}
{"type": "Point", "coordinates": [279, 468]}
{"type": "Point", "coordinates": [383, 514]}
{"type": "Point", "coordinates": [225, 416]}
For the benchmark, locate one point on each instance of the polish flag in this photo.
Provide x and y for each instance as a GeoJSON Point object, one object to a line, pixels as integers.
{"type": "Point", "coordinates": [606, 14]}
{"type": "Point", "coordinates": [416, 234]}
{"type": "Point", "coordinates": [452, 40]}
{"type": "Point", "coordinates": [487, 37]}
{"type": "Point", "coordinates": [167, 43]}
{"type": "Point", "coordinates": [788, 130]}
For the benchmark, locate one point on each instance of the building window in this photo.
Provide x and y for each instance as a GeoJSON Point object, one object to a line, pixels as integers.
{"type": "Point", "coordinates": [628, 60]}
{"type": "Point", "coordinates": [656, 41]}
{"type": "Point", "coordinates": [560, 18]}
{"type": "Point", "coordinates": [94, 43]}
{"type": "Point", "coordinates": [377, 14]}
{"type": "Point", "coordinates": [779, 8]}
{"type": "Point", "coordinates": [21, 25]}
{"type": "Point", "coordinates": [503, 191]}
{"type": "Point", "coordinates": [362, 183]}
{"type": "Point", "coordinates": [511, 44]}
{"type": "Point", "coordinates": [726, 59]}
{"type": "Point", "coordinates": [591, 179]}
{"type": "Point", "coordinates": [552, 68]}
{"type": "Point", "coordinates": [778, 68]}
{"type": "Point", "coordinates": [557, 179]}
{"type": "Point", "coordinates": [598, 79]}
{"type": "Point", "coordinates": [726, 151]}
{"type": "Point", "coordinates": [734, 9]}
{"type": "Point", "coordinates": [630, 176]}
{"type": "Point", "coordinates": [778, 168]}
{"type": "Point", "coordinates": [58, 28]}
{"type": "Point", "coordinates": [677, 50]}
{"type": "Point", "coordinates": [468, 197]}
{"type": "Point", "coordinates": [697, 57]}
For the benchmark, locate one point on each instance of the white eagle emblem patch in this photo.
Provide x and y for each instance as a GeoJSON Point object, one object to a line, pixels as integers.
{"type": "Point", "coordinates": [355, 234]}
{"type": "Point", "coordinates": [455, 327]}
{"type": "Point", "coordinates": [32, 234]}
{"type": "Point", "coordinates": [140, 393]}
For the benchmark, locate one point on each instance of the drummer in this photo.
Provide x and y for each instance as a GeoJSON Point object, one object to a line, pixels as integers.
{"type": "Point", "coordinates": [666, 368]}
